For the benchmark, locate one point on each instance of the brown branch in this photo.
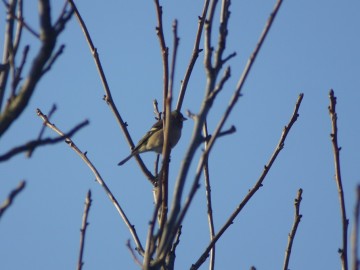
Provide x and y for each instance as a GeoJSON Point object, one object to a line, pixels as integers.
{"type": "Point", "coordinates": [297, 219]}
{"type": "Point", "coordinates": [42, 130]}
{"type": "Point", "coordinates": [17, 75]}
{"type": "Point", "coordinates": [136, 260]}
{"type": "Point", "coordinates": [175, 217]}
{"type": "Point", "coordinates": [150, 239]}
{"type": "Point", "coordinates": [8, 50]}
{"type": "Point", "coordinates": [20, 19]}
{"type": "Point", "coordinates": [84, 225]}
{"type": "Point", "coordinates": [11, 197]}
{"type": "Point", "coordinates": [164, 51]}
{"type": "Point", "coordinates": [48, 38]}
{"type": "Point", "coordinates": [195, 55]}
{"type": "Point", "coordinates": [53, 59]}
{"type": "Point", "coordinates": [164, 179]}
{"type": "Point", "coordinates": [108, 97]}
{"type": "Point", "coordinates": [99, 179]}
{"type": "Point", "coordinates": [336, 150]}
{"type": "Point", "coordinates": [355, 233]}
{"type": "Point", "coordinates": [209, 201]}
{"type": "Point", "coordinates": [31, 145]}
{"type": "Point", "coordinates": [251, 193]}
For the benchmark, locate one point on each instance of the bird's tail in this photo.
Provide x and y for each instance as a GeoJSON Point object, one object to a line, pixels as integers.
{"type": "Point", "coordinates": [125, 160]}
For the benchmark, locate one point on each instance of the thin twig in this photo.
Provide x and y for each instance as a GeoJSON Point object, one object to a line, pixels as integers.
{"type": "Point", "coordinates": [108, 97]}
{"type": "Point", "coordinates": [136, 260]}
{"type": "Point", "coordinates": [150, 239]}
{"type": "Point", "coordinates": [209, 201]}
{"type": "Point", "coordinates": [336, 150]}
{"type": "Point", "coordinates": [297, 219]}
{"type": "Point", "coordinates": [355, 233]}
{"type": "Point", "coordinates": [164, 51]}
{"type": "Point", "coordinates": [19, 18]}
{"type": "Point", "coordinates": [42, 130]}
{"type": "Point", "coordinates": [31, 145]}
{"type": "Point", "coordinates": [84, 225]}
{"type": "Point", "coordinates": [17, 77]}
{"type": "Point", "coordinates": [194, 57]}
{"type": "Point", "coordinates": [99, 179]}
{"type": "Point", "coordinates": [7, 203]}
{"type": "Point", "coordinates": [53, 59]}
{"type": "Point", "coordinates": [252, 192]}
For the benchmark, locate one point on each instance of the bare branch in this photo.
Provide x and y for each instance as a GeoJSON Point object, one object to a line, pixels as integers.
{"type": "Point", "coordinates": [156, 110]}
{"type": "Point", "coordinates": [7, 50]}
{"type": "Point", "coordinates": [164, 51]}
{"type": "Point", "coordinates": [164, 175]}
{"type": "Point", "coordinates": [297, 219]}
{"type": "Point", "coordinates": [175, 217]}
{"type": "Point", "coordinates": [251, 193]}
{"type": "Point", "coordinates": [136, 260]}
{"type": "Point", "coordinates": [11, 197]}
{"type": "Point", "coordinates": [108, 97]}
{"type": "Point", "coordinates": [99, 179]}
{"type": "Point", "coordinates": [336, 149]}
{"type": "Point", "coordinates": [84, 225]}
{"type": "Point", "coordinates": [18, 72]}
{"type": "Point", "coordinates": [53, 59]}
{"type": "Point", "coordinates": [195, 55]}
{"type": "Point", "coordinates": [31, 145]}
{"type": "Point", "coordinates": [355, 233]}
{"type": "Point", "coordinates": [43, 127]}
{"type": "Point", "coordinates": [48, 38]}
{"type": "Point", "coordinates": [209, 201]}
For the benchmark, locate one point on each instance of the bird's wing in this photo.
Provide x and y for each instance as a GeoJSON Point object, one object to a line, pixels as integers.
{"type": "Point", "coordinates": [156, 127]}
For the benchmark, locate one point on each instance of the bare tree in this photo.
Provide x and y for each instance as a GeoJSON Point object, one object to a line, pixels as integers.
{"type": "Point", "coordinates": [158, 249]}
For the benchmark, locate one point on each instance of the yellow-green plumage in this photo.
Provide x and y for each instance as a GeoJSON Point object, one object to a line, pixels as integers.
{"type": "Point", "coordinates": [154, 138]}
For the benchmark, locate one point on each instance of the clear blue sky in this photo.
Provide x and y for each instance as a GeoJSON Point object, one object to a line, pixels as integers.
{"type": "Point", "coordinates": [312, 47]}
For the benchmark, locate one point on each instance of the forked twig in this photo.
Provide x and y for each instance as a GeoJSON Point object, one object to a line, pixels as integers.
{"type": "Point", "coordinates": [257, 185]}
{"type": "Point", "coordinates": [99, 179]}
{"type": "Point", "coordinates": [31, 145]}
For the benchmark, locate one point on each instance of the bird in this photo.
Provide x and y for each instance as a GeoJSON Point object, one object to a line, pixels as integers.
{"type": "Point", "coordinates": [153, 140]}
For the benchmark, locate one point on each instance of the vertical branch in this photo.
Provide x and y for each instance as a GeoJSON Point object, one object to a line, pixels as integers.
{"type": "Point", "coordinates": [175, 216]}
{"type": "Point", "coordinates": [195, 55]}
{"type": "Point", "coordinates": [84, 225]}
{"type": "Point", "coordinates": [355, 234]}
{"type": "Point", "coordinates": [167, 128]}
{"type": "Point", "coordinates": [297, 219]}
{"type": "Point", "coordinates": [208, 200]}
{"type": "Point", "coordinates": [164, 50]}
{"type": "Point", "coordinates": [336, 151]}
{"type": "Point", "coordinates": [8, 48]}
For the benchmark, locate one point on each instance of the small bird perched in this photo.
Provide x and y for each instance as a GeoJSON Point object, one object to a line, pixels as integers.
{"type": "Point", "coordinates": [154, 138]}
